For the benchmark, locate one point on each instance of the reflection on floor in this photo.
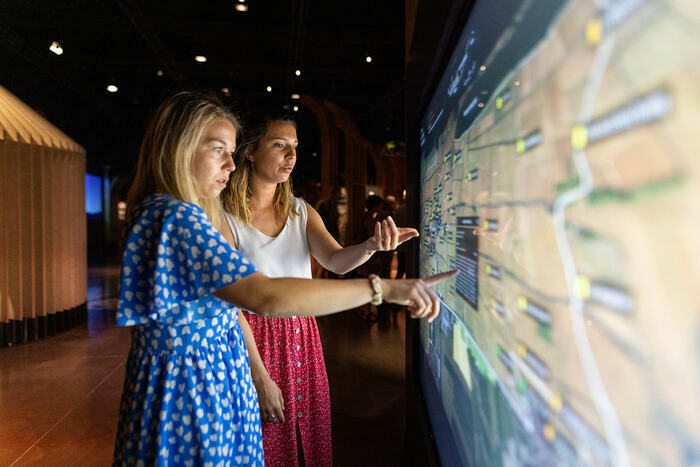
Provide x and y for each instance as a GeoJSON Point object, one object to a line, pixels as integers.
{"type": "Point", "coordinates": [59, 397]}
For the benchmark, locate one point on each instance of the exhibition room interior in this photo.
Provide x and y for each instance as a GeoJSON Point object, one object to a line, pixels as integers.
{"type": "Point", "coordinates": [544, 151]}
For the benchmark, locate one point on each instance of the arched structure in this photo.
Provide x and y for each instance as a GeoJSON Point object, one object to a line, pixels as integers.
{"type": "Point", "coordinates": [334, 121]}
{"type": "Point", "coordinates": [43, 257]}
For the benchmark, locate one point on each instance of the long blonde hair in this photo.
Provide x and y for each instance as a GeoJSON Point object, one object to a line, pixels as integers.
{"type": "Point", "coordinates": [168, 147]}
{"type": "Point", "coordinates": [236, 196]}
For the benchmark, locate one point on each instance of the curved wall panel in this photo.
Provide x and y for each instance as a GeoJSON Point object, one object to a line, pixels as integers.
{"type": "Point", "coordinates": [43, 256]}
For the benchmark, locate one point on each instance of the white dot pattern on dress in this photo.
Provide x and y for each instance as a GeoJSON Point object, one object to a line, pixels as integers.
{"type": "Point", "coordinates": [188, 396]}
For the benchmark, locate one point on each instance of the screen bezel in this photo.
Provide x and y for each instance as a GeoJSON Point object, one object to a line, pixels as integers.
{"type": "Point", "coordinates": [421, 442]}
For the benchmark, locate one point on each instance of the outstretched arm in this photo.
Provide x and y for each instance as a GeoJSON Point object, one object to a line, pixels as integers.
{"type": "Point", "coordinates": [340, 260]}
{"type": "Point", "coordinates": [318, 297]}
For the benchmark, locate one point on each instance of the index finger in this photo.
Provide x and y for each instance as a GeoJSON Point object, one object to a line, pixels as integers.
{"type": "Point", "coordinates": [431, 280]}
{"type": "Point", "coordinates": [279, 414]}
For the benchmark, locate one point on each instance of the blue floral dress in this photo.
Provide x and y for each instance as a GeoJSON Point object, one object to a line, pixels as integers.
{"type": "Point", "coordinates": [188, 395]}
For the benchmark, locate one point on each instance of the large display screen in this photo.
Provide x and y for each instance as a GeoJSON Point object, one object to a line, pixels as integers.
{"type": "Point", "coordinates": [560, 165]}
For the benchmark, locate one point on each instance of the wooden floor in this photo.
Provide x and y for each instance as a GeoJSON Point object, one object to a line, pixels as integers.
{"type": "Point", "coordinates": [59, 397]}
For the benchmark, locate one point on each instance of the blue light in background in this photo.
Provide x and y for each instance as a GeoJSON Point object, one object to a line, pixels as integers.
{"type": "Point", "coordinates": [93, 194]}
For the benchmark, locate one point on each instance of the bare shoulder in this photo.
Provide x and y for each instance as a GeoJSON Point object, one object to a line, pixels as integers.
{"type": "Point", "coordinates": [310, 209]}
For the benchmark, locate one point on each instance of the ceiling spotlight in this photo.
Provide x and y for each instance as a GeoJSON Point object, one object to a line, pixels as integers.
{"type": "Point", "coordinates": [242, 7]}
{"type": "Point", "coordinates": [298, 72]}
{"type": "Point", "coordinates": [200, 58]}
{"type": "Point", "coordinates": [159, 73]}
{"type": "Point", "coordinates": [241, 1]}
{"type": "Point", "coordinates": [226, 91]}
{"type": "Point", "coordinates": [296, 108]}
{"type": "Point", "coordinates": [269, 89]}
{"type": "Point", "coordinates": [296, 96]}
{"type": "Point", "coordinates": [112, 88]}
{"type": "Point", "coordinates": [368, 59]}
{"type": "Point", "coordinates": [56, 48]}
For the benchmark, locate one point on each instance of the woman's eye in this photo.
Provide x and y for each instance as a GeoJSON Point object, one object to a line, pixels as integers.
{"type": "Point", "coordinates": [218, 149]}
{"type": "Point", "coordinates": [279, 145]}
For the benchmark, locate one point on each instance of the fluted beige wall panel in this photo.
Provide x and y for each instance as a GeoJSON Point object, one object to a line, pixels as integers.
{"type": "Point", "coordinates": [43, 238]}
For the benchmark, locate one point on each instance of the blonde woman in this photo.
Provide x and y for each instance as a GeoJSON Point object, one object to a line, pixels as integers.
{"type": "Point", "coordinates": [188, 397]}
{"type": "Point", "coordinates": [277, 232]}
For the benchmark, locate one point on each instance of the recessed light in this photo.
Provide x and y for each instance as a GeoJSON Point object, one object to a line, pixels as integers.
{"type": "Point", "coordinates": [226, 91]}
{"type": "Point", "coordinates": [269, 89]}
{"type": "Point", "coordinates": [112, 88]}
{"type": "Point", "coordinates": [159, 73]}
{"type": "Point", "coordinates": [297, 72]}
{"type": "Point", "coordinates": [296, 108]}
{"type": "Point", "coordinates": [242, 7]}
{"type": "Point", "coordinates": [296, 96]}
{"type": "Point", "coordinates": [368, 59]}
{"type": "Point", "coordinates": [56, 48]}
{"type": "Point", "coordinates": [200, 58]}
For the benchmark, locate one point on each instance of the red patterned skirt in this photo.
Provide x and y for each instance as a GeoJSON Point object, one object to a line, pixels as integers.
{"type": "Point", "coordinates": [291, 350]}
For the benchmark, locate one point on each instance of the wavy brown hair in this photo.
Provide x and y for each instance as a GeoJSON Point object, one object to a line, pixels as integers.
{"type": "Point", "coordinates": [168, 147]}
{"type": "Point", "coordinates": [236, 196]}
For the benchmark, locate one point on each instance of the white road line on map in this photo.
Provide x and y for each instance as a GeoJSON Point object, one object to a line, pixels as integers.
{"type": "Point", "coordinates": [606, 411]}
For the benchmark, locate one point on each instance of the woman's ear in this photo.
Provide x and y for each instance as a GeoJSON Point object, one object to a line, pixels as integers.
{"type": "Point", "coordinates": [248, 153]}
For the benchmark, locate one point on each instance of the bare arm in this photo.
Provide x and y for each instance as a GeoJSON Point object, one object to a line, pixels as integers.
{"type": "Point", "coordinates": [340, 260]}
{"type": "Point", "coordinates": [318, 297]}
{"type": "Point", "coordinates": [269, 395]}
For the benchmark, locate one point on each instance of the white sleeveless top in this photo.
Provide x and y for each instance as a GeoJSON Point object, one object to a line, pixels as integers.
{"type": "Point", "coordinates": [286, 255]}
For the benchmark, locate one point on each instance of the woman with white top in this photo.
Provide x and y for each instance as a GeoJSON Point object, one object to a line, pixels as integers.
{"type": "Point", "coordinates": [277, 232]}
{"type": "Point", "coordinates": [188, 397]}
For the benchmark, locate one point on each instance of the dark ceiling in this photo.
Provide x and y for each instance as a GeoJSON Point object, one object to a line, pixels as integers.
{"type": "Point", "coordinates": [126, 42]}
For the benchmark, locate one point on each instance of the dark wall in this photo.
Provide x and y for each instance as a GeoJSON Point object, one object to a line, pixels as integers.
{"type": "Point", "coordinates": [436, 28]}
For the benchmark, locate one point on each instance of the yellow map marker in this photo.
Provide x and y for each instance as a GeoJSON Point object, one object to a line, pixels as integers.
{"type": "Point", "coordinates": [520, 146]}
{"type": "Point", "coordinates": [579, 137]}
{"type": "Point", "coordinates": [555, 403]}
{"type": "Point", "coordinates": [488, 269]}
{"type": "Point", "coordinates": [549, 432]}
{"type": "Point", "coordinates": [522, 303]}
{"type": "Point", "coordinates": [584, 287]}
{"type": "Point", "coordinates": [522, 351]}
{"type": "Point", "coordinates": [486, 224]}
{"type": "Point", "coordinates": [499, 103]}
{"type": "Point", "coordinates": [594, 31]}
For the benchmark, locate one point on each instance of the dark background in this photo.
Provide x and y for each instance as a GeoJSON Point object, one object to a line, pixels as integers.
{"type": "Point", "coordinates": [126, 42]}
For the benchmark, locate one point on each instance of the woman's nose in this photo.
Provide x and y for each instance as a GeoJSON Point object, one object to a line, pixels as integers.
{"type": "Point", "coordinates": [230, 165]}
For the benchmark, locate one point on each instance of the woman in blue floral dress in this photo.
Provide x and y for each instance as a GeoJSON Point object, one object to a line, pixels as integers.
{"type": "Point", "coordinates": [188, 396]}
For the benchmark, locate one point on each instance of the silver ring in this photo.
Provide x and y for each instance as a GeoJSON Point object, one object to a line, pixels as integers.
{"type": "Point", "coordinates": [271, 418]}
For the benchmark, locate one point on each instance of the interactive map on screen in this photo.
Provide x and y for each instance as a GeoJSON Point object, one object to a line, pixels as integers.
{"type": "Point", "coordinates": [560, 171]}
